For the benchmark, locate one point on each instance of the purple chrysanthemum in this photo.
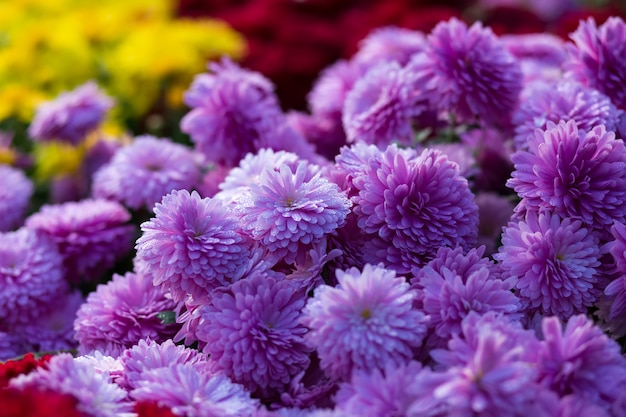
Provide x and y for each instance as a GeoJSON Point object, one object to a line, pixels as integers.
{"type": "Point", "coordinates": [555, 262]}
{"type": "Point", "coordinates": [249, 170]}
{"type": "Point", "coordinates": [468, 72]}
{"type": "Point", "coordinates": [148, 355]}
{"type": "Point", "coordinates": [31, 276]}
{"type": "Point", "coordinates": [388, 44]}
{"type": "Point", "coordinates": [544, 48]}
{"type": "Point", "coordinates": [235, 112]}
{"type": "Point", "coordinates": [15, 192]}
{"type": "Point", "coordinates": [96, 395]}
{"type": "Point", "coordinates": [598, 58]}
{"type": "Point", "coordinates": [55, 330]}
{"type": "Point", "coordinates": [578, 174]}
{"type": "Point", "coordinates": [496, 380]}
{"type": "Point", "coordinates": [580, 359]}
{"type": "Point", "coordinates": [382, 106]}
{"type": "Point", "coordinates": [12, 346]}
{"type": "Point", "coordinates": [71, 116]}
{"type": "Point", "coordinates": [367, 322]}
{"type": "Point", "coordinates": [192, 245]}
{"type": "Point", "coordinates": [494, 212]}
{"type": "Point", "coordinates": [140, 174]}
{"type": "Point", "coordinates": [613, 308]}
{"type": "Point", "coordinates": [92, 235]}
{"type": "Point", "coordinates": [418, 204]}
{"type": "Point", "coordinates": [452, 285]}
{"type": "Point", "coordinates": [328, 95]}
{"type": "Point", "coordinates": [290, 208]}
{"type": "Point", "coordinates": [376, 394]}
{"type": "Point", "coordinates": [253, 334]}
{"type": "Point", "coordinates": [564, 100]}
{"type": "Point", "coordinates": [121, 313]}
{"type": "Point", "coordinates": [188, 392]}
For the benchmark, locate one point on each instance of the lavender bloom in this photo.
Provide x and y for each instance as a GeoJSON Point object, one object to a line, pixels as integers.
{"type": "Point", "coordinates": [188, 392]}
{"type": "Point", "coordinates": [55, 330]}
{"type": "Point", "coordinates": [15, 192]}
{"type": "Point", "coordinates": [581, 360]}
{"type": "Point", "coordinates": [239, 178]}
{"type": "Point", "coordinates": [324, 132]}
{"type": "Point", "coordinates": [234, 112]}
{"type": "Point", "coordinates": [613, 308]}
{"type": "Point", "coordinates": [497, 380]}
{"type": "Point", "coordinates": [382, 106]}
{"type": "Point", "coordinates": [12, 346]}
{"type": "Point", "coordinates": [578, 174]}
{"type": "Point", "coordinates": [367, 322]}
{"type": "Point", "coordinates": [417, 204]}
{"type": "Point", "coordinates": [328, 95]}
{"type": "Point", "coordinates": [287, 209]}
{"type": "Point", "coordinates": [468, 72]}
{"type": "Point", "coordinates": [564, 100]}
{"type": "Point", "coordinates": [192, 245]}
{"type": "Point", "coordinates": [555, 262]}
{"type": "Point", "coordinates": [452, 285]}
{"type": "Point", "coordinates": [31, 276]}
{"type": "Point", "coordinates": [253, 335]}
{"type": "Point", "coordinates": [545, 48]}
{"type": "Point", "coordinates": [140, 174]}
{"type": "Point", "coordinates": [121, 313]}
{"type": "Point", "coordinates": [96, 395]}
{"type": "Point", "coordinates": [377, 394]}
{"type": "Point", "coordinates": [598, 58]}
{"type": "Point", "coordinates": [92, 235]}
{"type": "Point", "coordinates": [389, 44]}
{"type": "Point", "coordinates": [71, 116]}
{"type": "Point", "coordinates": [148, 355]}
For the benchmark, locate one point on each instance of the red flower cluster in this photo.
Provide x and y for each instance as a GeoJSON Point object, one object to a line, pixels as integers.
{"type": "Point", "coordinates": [290, 41]}
{"type": "Point", "coordinates": [149, 409]}
{"type": "Point", "coordinates": [36, 403]}
{"type": "Point", "coordinates": [11, 369]}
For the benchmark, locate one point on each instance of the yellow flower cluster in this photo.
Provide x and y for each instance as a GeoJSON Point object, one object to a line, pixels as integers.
{"type": "Point", "coordinates": [136, 50]}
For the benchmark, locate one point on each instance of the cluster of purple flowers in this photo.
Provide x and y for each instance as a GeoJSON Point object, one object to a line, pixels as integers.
{"type": "Point", "coordinates": [426, 242]}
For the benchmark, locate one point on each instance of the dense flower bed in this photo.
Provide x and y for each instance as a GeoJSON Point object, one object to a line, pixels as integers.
{"type": "Point", "coordinates": [443, 234]}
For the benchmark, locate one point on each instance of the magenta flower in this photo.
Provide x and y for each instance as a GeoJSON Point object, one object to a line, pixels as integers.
{"type": "Point", "coordinates": [71, 116]}
{"type": "Point", "coordinates": [192, 246]}
{"type": "Point", "coordinates": [389, 44]}
{"type": "Point", "coordinates": [92, 235]}
{"type": "Point", "coordinates": [121, 313]}
{"type": "Point", "coordinates": [15, 192]}
{"type": "Point", "coordinates": [31, 276]}
{"type": "Point", "coordinates": [140, 174]}
{"type": "Point", "coordinates": [598, 57]}
{"type": "Point", "coordinates": [366, 322]}
{"type": "Point", "coordinates": [576, 173]}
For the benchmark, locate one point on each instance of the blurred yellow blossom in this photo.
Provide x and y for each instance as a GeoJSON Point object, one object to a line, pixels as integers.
{"type": "Point", "coordinates": [135, 49]}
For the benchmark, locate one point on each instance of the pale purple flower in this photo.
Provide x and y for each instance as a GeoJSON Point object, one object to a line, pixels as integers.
{"type": "Point", "coordinates": [96, 395]}
{"type": "Point", "coordinates": [122, 312]}
{"type": "Point", "coordinates": [235, 112]}
{"type": "Point", "coordinates": [140, 174]}
{"type": "Point", "coordinates": [192, 245]}
{"type": "Point", "coordinates": [71, 116]}
{"type": "Point", "coordinates": [366, 322]}
{"type": "Point", "coordinates": [92, 235]}
{"type": "Point", "coordinates": [468, 72]}
{"type": "Point", "coordinates": [15, 192]}
{"type": "Point", "coordinates": [576, 173]}
{"type": "Point", "coordinates": [418, 204]}
{"type": "Point", "coordinates": [188, 392]}
{"type": "Point", "coordinates": [388, 44]}
{"type": "Point", "coordinates": [452, 285]}
{"type": "Point", "coordinates": [563, 100]}
{"type": "Point", "coordinates": [580, 359]}
{"type": "Point", "coordinates": [382, 106]}
{"type": "Point", "coordinates": [253, 334]}
{"type": "Point", "coordinates": [289, 208]}
{"type": "Point", "coordinates": [544, 48]}
{"type": "Point", "coordinates": [328, 95]}
{"type": "Point", "coordinates": [31, 276]}
{"type": "Point", "coordinates": [148, 355]}
{"type": "Point", "coordinates": [555, 262]}
{"type": "Point", "coordinates": [598, 57]}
